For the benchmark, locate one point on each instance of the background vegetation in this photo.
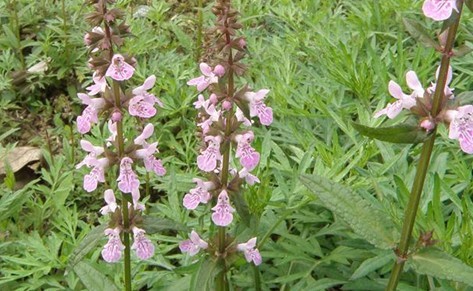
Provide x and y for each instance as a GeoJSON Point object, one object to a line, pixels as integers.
{"type": "Point", "coordinates": [327, 63]}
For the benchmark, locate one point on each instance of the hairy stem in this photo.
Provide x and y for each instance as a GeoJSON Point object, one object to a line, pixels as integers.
{"type": "Point", "coordinates": [422, 167]}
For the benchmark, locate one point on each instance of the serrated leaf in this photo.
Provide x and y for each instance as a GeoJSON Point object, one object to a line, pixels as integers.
{"type": "Point", "coordinates": [433, 262]}
{"type": "Point", "coordinates": [367, 221]}
{"type": "Point", "coordinates": [373, 264]}
{"type": "Point", "coordinates": [156, 224]}
{"type": "Point", "coordinates": [200, 280]}
{"type": "Point", "coordinates": [418, 32]}
{"type": "Point", "coordinates": [242, 208]}
{"type": "Point", "coordinates": [92, 278]}
{"type": "Point", "coordinates": [403, 133]}
{"type": "Point", "coordinates": [89, 242]}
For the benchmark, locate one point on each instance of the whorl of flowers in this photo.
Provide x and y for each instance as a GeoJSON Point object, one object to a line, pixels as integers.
{"type": "Point", "coordinates": [419, 102]}
{"type": "Point", "coordinates": [225, 118]}
{"type": "Point", "coordinates": [108, 103]}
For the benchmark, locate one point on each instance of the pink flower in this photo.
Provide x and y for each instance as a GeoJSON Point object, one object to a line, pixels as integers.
{"type": "Point", "coordinates": [119, 70]}
{"type": "Point", "coordinates": [222, 215]}
{"type": "Point", "coordinates": [99, 85]}
{"type": "Point", "coordinates": [208, 77]}
{"type": "Point", "coordinates": [112, 251]}
{"type": "Point", "coordinates": [207, 160]}
{"type": "Point", "coordinates": [90, 114]}
{"type": "Point", "coordinates": [111, 206]}
{"type": "Point", "coordinates": [94, 152]}
{"type": "Point", "coordinates": [439, 10]}
{"type": "Point", "coordinates": [193, 245]}
{"type": "Point", "coordinates": [448, 91]}
{"type": "Point", "coordinates": [461, 127]}
{"type": "Point", "coordinates": [147, 132]}
{"type": "Point", "coordinates": [258, 108]}
{"type": "Point", "coordinates": [249, 178]}
{"type": "Point", "coordinates": [404, 101]}
{"type": "Point", "coordinates": [97, 174]}
{"type": "Point", "coordinates": [127, 180]}
{"type": "Point", "coordinates": [251, 253]}
{"type": "Point", "coordinates": [142, 105]}
{"type": "Point", "coordinates": [200, 194]}
{"type": "Point", "coordinates": [155, 165]}
{"type": "Point", "coordinates": [135, 196]}
{"type": "Point", "coordinates": [249, 158]}
{"type": "Point", "coordinates": [143, 247]}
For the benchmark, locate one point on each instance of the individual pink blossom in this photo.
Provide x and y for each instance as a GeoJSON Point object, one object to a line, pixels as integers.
{"type": "Point", "coordinates": [112, 205]}
{"type": "Point", "coordinates": [249, 178]}
{"type": "Point", "coordinates": [96, 175]}
{"type": "Point", "coordinates": [208, 77]}
{"type": "Point", "coordinates": [100, 83]}
{"type": "Point", "coordinates": [448, 91]}
{"type": "Point", "coordinates": [199, 194]}
{"type": "Point", "coordinates": [145, 134]}
{"type": "Point", "coordinates": [222, 215]}
{"type": "Point", "coordinates": [142, 104]}
{"type": "Point", "coordinates": [112, 127]}
{"type": "Point", "coordinates": [112, 251]}
{"type": "Point", "coordinates": [143, 247]}
{"type": "Point", "coordinates": [207, 160]}
{"type": "Point", "coordinates": [90, 114]}
{"type": "Point", "coordinates": [404, 101]}
{"type": "Point", "coordinates": [193, 245]}
{"type": "Point", "coordinates": [439, 10]}
{"type": "Point", "coordinates": [240, 116]}
{"type": "Point", "coordinates": [461, 127]}
{"type": "Point", "coordinates": [249, 158]}
{"type": "Point", "coordinates": [135, 196]}
{"type": "Point", "coordinates": [152, 164]}
{"type": "Point", "coordinates": [119, 70]}
{"type": "Point", "coordinates": [258, 108]}
{"type": "Point", "coordinates": [93, 153]}
{"type": "Point", "coordinates": [127, 180]}
{"type": "Point", "coordinates": [250, 251]}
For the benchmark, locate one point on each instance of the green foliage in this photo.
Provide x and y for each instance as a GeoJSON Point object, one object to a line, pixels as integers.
{"type": "Point", "coordinates": [365, 219]}
{"type": "Point", "coordinates": [403, 133]}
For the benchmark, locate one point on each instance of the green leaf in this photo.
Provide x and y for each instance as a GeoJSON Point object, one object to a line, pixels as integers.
{"type": "Point", "coordinates": [242, 208]}
{"type": "Point", "coordinates": [403, 133]}
{"type": "Point", "coordinates": [89, 242]}
{"type": "Point", "coordinates": [418, 32]}
{"type": "Point", "coordinates": [207, 270]}
{"type": "Point", "coordinates": [367, 221]}
{"type": "Point", "coordinates": [155, 224]}
{"type": "Point", "coordinates": [372, 264]}
{"type": "Point", "coordinates": [11, 203]}
{"type": "Point", "coordinates": [433, 262]}
{"type": "Point", "coordinates": [469, 4]}
{"type": "Point", "coordinates": [92, 278]}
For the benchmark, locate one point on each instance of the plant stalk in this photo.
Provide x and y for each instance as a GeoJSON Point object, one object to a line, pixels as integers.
{"type": "Point", "coordinates": [222, 283]}
{"type": "Point", "coordinates": [422, 167]}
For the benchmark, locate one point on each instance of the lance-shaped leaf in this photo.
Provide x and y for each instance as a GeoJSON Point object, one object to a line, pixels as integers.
{"type": "Point", "coordinates": [402, 133]}
{"type": "Point", "coordinates": [418, 32]}
{"type": "Point", "coordinates": [88, 243]}
{"type": "Point", "coordinates": [156, 224]}
{"type": "Point", "coordinates": [433, 262]}
{"type": "Point", "coordinates": [92, 278]}
{"type": "Point", "coordinates": [201, 279]}
{"type": "Point", "coordinates": [367, 221]}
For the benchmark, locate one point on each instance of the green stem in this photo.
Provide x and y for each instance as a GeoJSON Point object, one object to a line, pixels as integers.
{"type": "Point", "coordinates": [222, 283]}
{"type": "Point", "coordinates": [125, 215]}
{"type": "Point", "coordinates": [64, 28]}
{"type": "Point", "coordinates": [17, 31]}
{"type": "Point", "coordinates": [200, 23]}
{"type": "Point", "coordinates": [257, 278]}
{"type": "Point", "coordinates": [422, 167]}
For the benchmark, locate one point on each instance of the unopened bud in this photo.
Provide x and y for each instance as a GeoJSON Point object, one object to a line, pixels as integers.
{"type": "Point", "coordinates": [219, 70]}
{"type": "Point", "coordinates": [116, 115]}
{"type": "Point", "coordinates": [226, 105]}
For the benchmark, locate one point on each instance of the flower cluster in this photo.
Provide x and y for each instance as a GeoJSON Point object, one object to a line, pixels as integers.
{"type": "Point", "coordinates": [459, 119]}
{"type": "Point", "coordinates": [225, 116]}
{"type": "Point", "coordinates": [106, 99]}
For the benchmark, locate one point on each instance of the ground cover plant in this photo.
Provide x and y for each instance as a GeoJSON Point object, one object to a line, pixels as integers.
{"type": "Point", "coordinates": [329, 209]}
